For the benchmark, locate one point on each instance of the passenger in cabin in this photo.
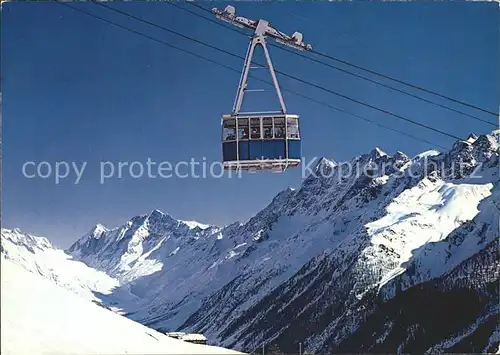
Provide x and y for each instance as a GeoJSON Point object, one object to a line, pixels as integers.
{"type": "Point", "coordinates": [279, 132]}
{"type": "Point", "coordinates": [243, 133]}
{"type": "Point", "coordinates": [255, 128]}
{"type": "Point", "coordinates": [267, 125]}
{"type": "Point", "coordinates": [243, 128]}
{"type": "Point", "coordinates": [268, 132]}
{"type": "Point", "coordinates": [229, 135]}
{"type": "Point", "coordinates": [255, 133]}
{"type": "Point", "coordinates": [293, 132]}
{"type": "Point", "coordinates": [293, 128]}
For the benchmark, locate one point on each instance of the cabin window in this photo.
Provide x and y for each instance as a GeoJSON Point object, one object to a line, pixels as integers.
{"type": "Point", "coordinates": [255, 128]}
{"type": "Point", "coordinates": [267, 125]}
{"type": "Point", "coordinates": [229, 131]}
{"type": "Point", "coordinates": [243, 128]}
{"type": "Point", "coordinates": [279, 127]}
{"type": "Point", "coordinates": [292, 127]}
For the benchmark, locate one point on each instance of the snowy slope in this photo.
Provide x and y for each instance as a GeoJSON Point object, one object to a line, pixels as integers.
{"type": "Point", "coordinates": [425, 214]}
{"type": "Point", "coordinates": [39, 317]}
{"type": "Point", "coordinates": [37, 255]}
{"type": "Point", "coordinates": [194, 224]}
{"type": "Point", "coordinates": [321, 255]}
{"type": "Point", "coordinates": [435, 259]}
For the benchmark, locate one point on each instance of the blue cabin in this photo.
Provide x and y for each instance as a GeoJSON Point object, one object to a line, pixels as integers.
{"type": "Point", "coordinates": [260, 142]}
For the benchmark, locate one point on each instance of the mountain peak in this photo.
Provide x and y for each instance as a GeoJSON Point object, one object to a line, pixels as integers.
{"type": "Point", "coordinates": [373, 156]}
{"type": "Point", "coordinates": [18, 237]}
{"type": "Point", "coordinates": [99, 227]}
{"type": "Point", "coordinates": [284, 194]}
{"type": "Point", "coordinates": [377, 153]}
{"type": "Point", "coordinates": [400, 156]}
{"type": "Point", "coordinates": [195, 224]}
{"type": "Point", "coordinates": [324, 165]}
{"type": "Point", "coordinates": [471, 138]}
{"type": "Point", "coordinates": [156, 212]}
{"type": "Point", "coordinates": [97, 231]}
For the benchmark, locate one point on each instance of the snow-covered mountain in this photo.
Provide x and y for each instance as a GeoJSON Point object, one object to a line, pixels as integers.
{"type": "Point", "coordinates": [138, 248]}
{"type": "Point", "coordinates": [37, 255]}
{"type": "Point", "coordinates": [331, 264]}
{"type": "Point", "coordinates": [40, 318]}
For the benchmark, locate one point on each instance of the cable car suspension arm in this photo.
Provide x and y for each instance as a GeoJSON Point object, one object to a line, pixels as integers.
{"type": "Point", "coordinates": [262, 29]}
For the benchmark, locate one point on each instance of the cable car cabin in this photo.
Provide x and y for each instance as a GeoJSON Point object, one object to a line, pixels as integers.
{"type": "Point", "coordinates": [260, 142]}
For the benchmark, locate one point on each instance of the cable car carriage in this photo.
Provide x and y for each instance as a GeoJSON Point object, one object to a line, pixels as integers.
{"type": "Point", "coordinates": [260, 140]}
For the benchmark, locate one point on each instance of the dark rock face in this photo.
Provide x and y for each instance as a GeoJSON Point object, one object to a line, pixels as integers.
{"type": "Point", "coordinates": [457, 312]}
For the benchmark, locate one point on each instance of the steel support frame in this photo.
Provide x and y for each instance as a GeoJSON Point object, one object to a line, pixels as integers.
{"type": "Point", "coordinates": [258, 38]}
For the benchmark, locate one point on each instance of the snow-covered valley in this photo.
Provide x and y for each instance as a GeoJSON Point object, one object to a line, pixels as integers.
{"type": "Point", "coordinates": [38, 317]}
{"type": "Point", "coordinates": [339, 264]}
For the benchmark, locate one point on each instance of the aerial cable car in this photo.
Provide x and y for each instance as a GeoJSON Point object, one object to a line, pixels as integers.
{"type": "Point", "coordinates": [260, 140]}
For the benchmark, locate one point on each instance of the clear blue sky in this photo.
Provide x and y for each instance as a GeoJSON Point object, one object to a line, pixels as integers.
{"type": "Point", "coordinates": [77, 89]}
